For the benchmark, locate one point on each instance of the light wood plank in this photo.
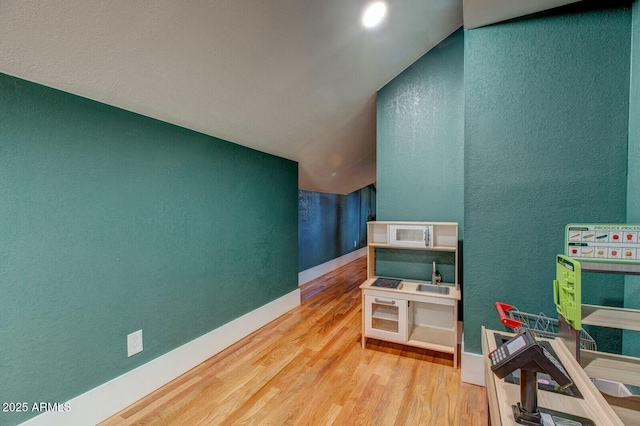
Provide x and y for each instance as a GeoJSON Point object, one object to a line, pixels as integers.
{"type": "Point", "coordinates": [308, 367]}
{"type": "Point", "coordinates": [616, 368]}
{"type": "Point", "coordinates": [628, 409]}
{"type": "Point", "coordinates": [434, 338]}
{"type": "Point", "coordinates": [605, 316]}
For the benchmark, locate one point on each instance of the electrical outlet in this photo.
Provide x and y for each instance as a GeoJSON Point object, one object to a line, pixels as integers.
{"type": "Point", "coordinates": [134, 343]}
{"type": "Point", "coordinates": [355, 243]}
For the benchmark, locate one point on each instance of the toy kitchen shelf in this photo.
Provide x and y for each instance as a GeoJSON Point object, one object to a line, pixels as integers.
{"type": "Point", "coordinates": [411, 312]}
{"type": "Point", "coordinates": [607, 249]}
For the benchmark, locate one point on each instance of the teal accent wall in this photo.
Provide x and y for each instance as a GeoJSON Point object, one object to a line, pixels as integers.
{"type": "Point", "coordinates": [546, 119]}
{"type": "Point", "coordinates": [631, 339]}
{"type": "Point", "coordinates": [415, 264]}
{"type": "Point", "coordinates": [113, 222]}
{"type": "Point", "coordinates": [420, 139]}
{"type": "Point", "coordinates": [329, 224]}
{"type": "Point", "coordinates": [420, 148]}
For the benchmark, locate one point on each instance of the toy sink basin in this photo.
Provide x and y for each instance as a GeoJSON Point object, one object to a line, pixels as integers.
{"type": "Point", "coordinates": [430, 288]}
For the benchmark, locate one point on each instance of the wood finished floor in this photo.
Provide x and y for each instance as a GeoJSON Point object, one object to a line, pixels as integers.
{"type": "Point", "coordinates": [308, 368]}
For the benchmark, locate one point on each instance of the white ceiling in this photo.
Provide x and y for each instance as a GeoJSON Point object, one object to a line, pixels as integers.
{"type": "Point", "coordinates": [293, 78]}
{"type": "Point", "coordinates": [478, 13]}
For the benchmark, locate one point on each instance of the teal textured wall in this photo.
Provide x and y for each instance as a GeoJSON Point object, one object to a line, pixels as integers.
{"type": "Point", "coordinates": [318, 228]}
{"type": "Point", "coordinates": [113, 222]}
{"type": "Point", "coordinates": [328, 224]}
{"type": "Point", "coordinates": [546, 118]}
{"type": "Point", "coordinates": [420, 139]}
{"type": "Point", "coordinates": [631, 339]}
{"type": "Point", "coordinates": [420, 147]}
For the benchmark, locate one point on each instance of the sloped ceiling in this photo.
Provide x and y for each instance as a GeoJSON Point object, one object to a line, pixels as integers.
{"type": "Point", "coordinates": [296, 79]}
{"type": "Point", "coordinates": [478, 13]}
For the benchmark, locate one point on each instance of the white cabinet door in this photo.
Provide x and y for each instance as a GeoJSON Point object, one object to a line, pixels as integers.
{"type": "Point", "coordinates": [385, 318]}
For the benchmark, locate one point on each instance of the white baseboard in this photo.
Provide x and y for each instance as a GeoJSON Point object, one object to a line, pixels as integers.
{"type": "Point", "coordinates": [318, 271]}
{"type": "Point", "coordinates": [472, 369]}
{"type": "Point", "coordinates": [109, 398]}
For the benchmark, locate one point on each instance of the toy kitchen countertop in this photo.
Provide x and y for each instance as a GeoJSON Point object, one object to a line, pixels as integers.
{"type": "Point", "coordinates": [412, 288]}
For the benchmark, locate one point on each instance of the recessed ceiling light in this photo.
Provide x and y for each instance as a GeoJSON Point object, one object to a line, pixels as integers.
{"type": "Point", "coordinates": [374, 14]}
